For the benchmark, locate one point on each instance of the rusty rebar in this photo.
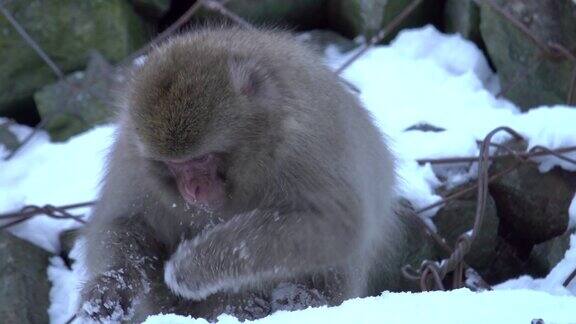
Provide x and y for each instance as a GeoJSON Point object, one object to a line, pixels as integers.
{"type": "Point", "coordinates": [31, 211]}
{"type": "Point", "coordinates": [466, 159]}
{"type": "Point", "coordinates": [431, 271]}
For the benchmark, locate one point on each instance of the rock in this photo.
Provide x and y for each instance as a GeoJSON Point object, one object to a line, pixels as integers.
{"type": "Point", "coordinates": [8, 140]}
{"type": "Point", "coordinates": [319, 40]}
{"type": "Point", "coordinates": [457, 217]}
{"type": "Point", "coordinates": [67, 30]}
{"type": "Point", "coordinates": [533, 79]}
{"type": "Point", "coordinates": [83, 101]}
{"type": "Point", "coordinates": [151, 8]}
{"type": "Point", "coordinates": [532, 206]}
{"type": "Point", "coordinates": [417, 247]}
{"type": "Point", "coordinates": [67, 240]}
{"type": "Point", "coordinates": [511, 261]}
{"type": "Point", "coordinates": [24, 285]}
{"type": "Point", "coordinates": [463, 17]}
{"type": "Point", "coordinates": [352, 18]}
{"type": "Point", "coordinates": [546, 256]}
{"type": "Point", "coordinates": [302, 14]}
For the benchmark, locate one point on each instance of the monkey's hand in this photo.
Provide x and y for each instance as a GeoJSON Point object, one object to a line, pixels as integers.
{"type": "Point", "coordinates": [110, 297]}
{"type": "Point", "coordinates": [183, 275]}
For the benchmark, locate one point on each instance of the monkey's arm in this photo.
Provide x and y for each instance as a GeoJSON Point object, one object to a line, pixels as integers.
{"type": "Point", "coordinates": [258, 246]}
{"type": "Point", "coordinates": [121, 255]}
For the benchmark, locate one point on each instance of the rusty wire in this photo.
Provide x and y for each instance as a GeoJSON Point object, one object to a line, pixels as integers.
{"type": "Point", "coordinates": [530, 154]}
{"type": "Point", "coordinates": [432, 272]}
{"type": "Point", "coordinates": [219, 7]}
{"type": "Point", "coordinates": [31, 211]}
{"type": "Point", "coordinates": [381, 34]}
{"type": "Point", "coordinates": [544, 46]}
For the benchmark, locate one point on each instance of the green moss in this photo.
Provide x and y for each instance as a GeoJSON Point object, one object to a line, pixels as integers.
{"type": "Point", "coordinates": [67, 30]}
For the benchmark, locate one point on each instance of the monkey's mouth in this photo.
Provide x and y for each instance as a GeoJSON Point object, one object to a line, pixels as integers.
{"type": "Point", "coordinates": [199, 181]}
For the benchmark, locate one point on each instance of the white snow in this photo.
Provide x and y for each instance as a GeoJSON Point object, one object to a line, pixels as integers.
{"type": "Point", "coordinates": [422, 77]}
{"type": "Point", "coordinates": [64, 293]}
{"type": "Point", "coordinates": [442, 80]}
{"type": "Point", "coordinates": [53, 173]}
{"type": "Point", "coordinates": [459, 306]}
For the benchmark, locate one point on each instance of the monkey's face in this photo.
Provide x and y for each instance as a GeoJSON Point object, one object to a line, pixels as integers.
{"type": "Point", "coordinates": [202, 117]}
{"type": "Point", "coordinates": [198, 180]}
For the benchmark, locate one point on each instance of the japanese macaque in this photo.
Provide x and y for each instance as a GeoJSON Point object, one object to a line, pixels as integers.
{"type": "Point", "coordinates": [243, 168]}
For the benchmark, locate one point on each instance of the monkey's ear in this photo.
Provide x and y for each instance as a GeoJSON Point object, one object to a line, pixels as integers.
{"type": "Point", "coordinates": [249, 78]}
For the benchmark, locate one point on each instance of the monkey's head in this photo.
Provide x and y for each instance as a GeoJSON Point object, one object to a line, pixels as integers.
{"type": "Point", "coordinates": [202, 113]}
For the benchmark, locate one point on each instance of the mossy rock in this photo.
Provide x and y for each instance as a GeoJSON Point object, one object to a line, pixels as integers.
{"type": "Point", "coordinates": [366, 17]}
{"type": "Point", "coordinates": [82, 101]}
{"type": "Point", "coordinates": [24, 285]}
{"type": "Point", "coordinates": [457, 217]}
{"type": "Point", "coordinates": [67, 30]}
{"type": "Point", "coordinates": [532, 77]}
{"type": "Point", "coordinates": [463, 17]}
{"type": "Point", "coordinates": [532, 206]}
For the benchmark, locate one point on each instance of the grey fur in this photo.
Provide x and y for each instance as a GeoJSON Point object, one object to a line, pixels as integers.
{"type": "Point", "coordinates": [309, 183]}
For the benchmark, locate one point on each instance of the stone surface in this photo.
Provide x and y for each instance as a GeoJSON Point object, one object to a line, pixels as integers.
{"type": "Point", "coordinates": [457, 217]}
{"type": "Point", "coordinates": [532, 206]}
{"type": "Point", "coordinates": [510, 262]}
{"type": "Point", "coordinates": [67, 240]}
{"type": "Point", "coordinates": [8, 140]}
{"type": "Point", "coordinates": [463, 17]}
{"type": "Point", "coordinates": [67, 30]}
{"type": "Point", "coordinates": [297, 14]}
{"type": "Point", "coordinates": [83, 101]}
{"type": "Point", "coordinates": [417, 247]}
{"type": "Point", "coordinates": [365, 17]}
{"type": "Point", "coordinates": [24, 285]}
{"type": "Point", "coordinates": [545, 256]}
{"type": "Point", "coordinates": [151, 8]}
{"type": "Point", "coordinates": [538, 79]}
{"type": "Point", "coordinates": [319, 40]}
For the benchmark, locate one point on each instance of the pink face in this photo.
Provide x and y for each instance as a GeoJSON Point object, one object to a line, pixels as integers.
{"type": "Point", "coordinates": [198, 181]}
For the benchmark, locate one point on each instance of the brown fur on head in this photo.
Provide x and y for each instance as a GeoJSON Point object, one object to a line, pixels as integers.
{"type": "Point", "coordinates": [192, 99]}
{"type": "Point", "coordinates": [185, 91]}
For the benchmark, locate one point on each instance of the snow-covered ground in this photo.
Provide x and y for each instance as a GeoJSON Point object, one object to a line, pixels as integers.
{"type": "Point", "coordinates": [423, 77]}
{"type": "Point", "coordinates": [459, 306]}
